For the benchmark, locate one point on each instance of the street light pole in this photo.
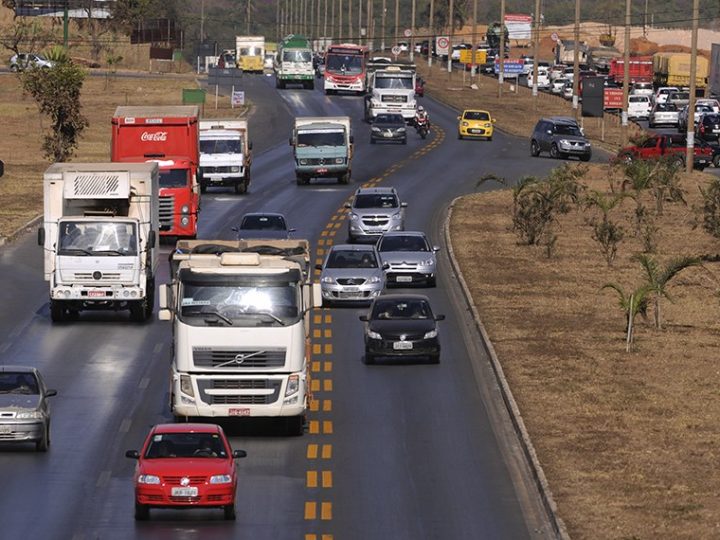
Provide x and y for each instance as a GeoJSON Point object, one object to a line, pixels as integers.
{"type": "Point", "coordinates": [536, 54]}
{"type": "Point", "coordinates": [451, 16]}
{"type": "Point", "coordinates": [576, 62]}
{"type": "Point", "coordinates": [412, 29]}
{"type": "Point", "coordinates": [501, 50]}
{"type": "Point", "coordinates": [626, 75]}
{"type": "Point", "coordinates": [690, 155]}
{"type": "Point", "coordinates": [382, 23]}
{"type": "Point", "coordinates": [431, 37]}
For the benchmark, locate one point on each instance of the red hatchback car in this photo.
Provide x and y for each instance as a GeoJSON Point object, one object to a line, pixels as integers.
{"type": "Point", "coordinates": [185, 466]}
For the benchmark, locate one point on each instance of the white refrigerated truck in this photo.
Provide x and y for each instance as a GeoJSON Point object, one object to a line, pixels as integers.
{"type": "Point", "coordinates": [240, 315]}
{"type": "Point", "coordinates": [225, 154]}
{"type": "Point", "coordinates": [99, 236]}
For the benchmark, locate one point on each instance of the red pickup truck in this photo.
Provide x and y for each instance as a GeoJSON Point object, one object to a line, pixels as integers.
{"type": "Point", "coordinates": [666, 146]}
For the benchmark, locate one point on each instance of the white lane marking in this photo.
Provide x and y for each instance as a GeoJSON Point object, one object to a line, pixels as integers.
{"type": "Point", "coordinates": [125, 426]}
{"type": "Point", "coordinates": [144, 383]}
{"type": "Point", "coordinates": [158, 347]}
{"type": "Point", "coordinates": [103, 479]}
{"type": "Point", "coordinates": [4, 347]}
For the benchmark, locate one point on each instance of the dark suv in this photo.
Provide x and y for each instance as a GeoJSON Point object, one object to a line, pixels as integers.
{"type": "Point", "coordinates": [708, 128]}
{"type": "Point", "coordinates": [561, 137]}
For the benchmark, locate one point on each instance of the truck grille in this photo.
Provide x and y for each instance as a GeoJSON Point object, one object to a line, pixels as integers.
{"type": "Point", "coordinates": [393, 99]}
{"type": "Point", "coordinates": [167, 211]}
{"type": "Point", "coordinates": [375, 221]}
{"type": "Point", "coordinates": [88, 276]}
{"type": "Point", "coordinates": [213, 170]}
{"type": "Point", "coordinates": [239, 358]}
{"type": "Point", "coordinates": [239, 384]}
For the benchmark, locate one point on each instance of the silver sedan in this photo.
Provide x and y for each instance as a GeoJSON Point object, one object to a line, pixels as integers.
{"type": "Point", "coordinates": [409, 257]}
{"type": "Point", "coordinates": [351, 273]}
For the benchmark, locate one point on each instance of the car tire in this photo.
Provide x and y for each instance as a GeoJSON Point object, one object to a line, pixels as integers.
{"type": "Point", "coordinates": [43, 444]}
{"type": "Point", "coordinates": [435, 358]}
{"type": "Point", "coordinates": [716, 161]}
{"type": "Point", "coordinates": [679, 162]}
{"type": "Point", "coordinates": [372, 141]}
{"type": "Point", "coordinates": [311, 85]}
{"type": "Point", "coordinates": [534, 149]}
{"type": "Point", "coordinates": [460, 136]}
{"type": "Point", "coordinates": [142, 512]}
{"type": "Point", "coordinates": [585, 158]}
{"type": "Point", "coordinates": [432, 281]}
{"type": "Point", "coordinates": [368, 359]}
{"type": "Point", "coordinates": [489, 138]}
{"type": "Point", "coordinates": [554, 152]}
{"type": "Point", "coordinates": [138, 310]}
{"type": "Point", "coordinates": [241, 187]}
{"type": "Point", "coordinates": [229, 512]}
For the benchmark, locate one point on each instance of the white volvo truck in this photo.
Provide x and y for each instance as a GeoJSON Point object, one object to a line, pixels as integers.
{"type": "Point", "coordinates": [392, 91]}
{"type": "Point", "coordinates": [240, 313]}
{"type": "Point", "coordinates": [99, 235]}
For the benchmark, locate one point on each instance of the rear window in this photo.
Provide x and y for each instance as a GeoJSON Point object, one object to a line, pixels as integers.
{"type": "Point", "coordinates": [639, 99]}
{"type": "Point", "coordinates": [18, 383]}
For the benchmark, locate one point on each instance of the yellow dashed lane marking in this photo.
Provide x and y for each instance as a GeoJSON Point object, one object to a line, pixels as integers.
{"type": "Point", "coordinates": [326, 511]}
{"type": "Point", "coordinates": [327, 427]}
{"type": "Point", "coordinates": [326, 452]}
{"type": "Point", "coordinates": [315, 385]}
{"type": "Point", "coordinates": [310, 510]}
{"type": "Point", "coordinates": [327, 366]}
{"type": "Point", "coordinates": [327, 385]}
{"type": "Point", "coordinates": [327, 333]}
{"type": "Point", "coordinates": [311, 479]}
{"type": "Point", "coordinates": [328, 318]}
{"type": "Point", "coordinates": [312, 451]}
{"type": "Point", "coordinates": [328, 348]}
{"type": "Point", "coordinates": [317, 333]}
{"type": "Point", "coordinates": [314, 427]}
{"type": "Point", "coordinates": [327, 405]}
{"type": "Point", "coordinates": [317, 348]}
{"type": "Point", "coordinates": [327, 479]}
{"type": "Point", "coordinates": [314, 405]}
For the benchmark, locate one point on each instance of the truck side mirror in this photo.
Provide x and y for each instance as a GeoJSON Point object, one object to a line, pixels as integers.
{"type": "Point", "coordinates": [151, 239]}
{"type": "Point", "coordinates": [352, 139]}
{"type": "Point", "coordinates": [41, 236]}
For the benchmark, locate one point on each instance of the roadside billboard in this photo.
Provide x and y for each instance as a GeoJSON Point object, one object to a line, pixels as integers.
{"type": "Point", "coordinates": [612, 98]}
{"type": "Point", "coordinates": [519, 25]}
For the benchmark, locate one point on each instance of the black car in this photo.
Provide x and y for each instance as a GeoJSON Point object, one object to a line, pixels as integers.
{"type": "Point", "coordinates": [708, 128]}
{"type": "Point", "coordinates": [401, 325]}
{"type": "Point", "coordinates": [263, 225]}
{"type": "Point", "coordinates": [388, 127]}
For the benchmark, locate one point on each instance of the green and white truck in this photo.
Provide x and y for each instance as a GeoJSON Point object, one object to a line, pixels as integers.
{"type": "Point", "coordinates": [294, 62]}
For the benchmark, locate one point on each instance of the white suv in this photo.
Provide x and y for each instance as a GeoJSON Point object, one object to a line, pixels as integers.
{"type": "Point", "coordinates": [19, 62]}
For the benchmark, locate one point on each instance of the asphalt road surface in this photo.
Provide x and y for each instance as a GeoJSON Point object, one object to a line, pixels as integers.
{"type": "Point", "coordinates": [394, 451]}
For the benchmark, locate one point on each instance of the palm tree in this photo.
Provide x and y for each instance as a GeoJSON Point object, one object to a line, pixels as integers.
{"type": "Point", "coordinates": [658, 278]}
{"type": "Point", "coordinates": [632, 305]}
{"type": "Point", "coordinates": [607, 232]}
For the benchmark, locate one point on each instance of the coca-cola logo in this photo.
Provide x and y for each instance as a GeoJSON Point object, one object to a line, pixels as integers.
{"type": "Point", "coordinates": [157, 136]}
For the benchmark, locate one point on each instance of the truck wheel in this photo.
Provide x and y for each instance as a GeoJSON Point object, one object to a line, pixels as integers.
{"type": "Point", "coordinates": [435, 358]}
{"type": "Point", "coordinates": [137, 311]}
{"type": "Point", "coordinates": [716, 161]}
{"type": "Point", "coordinates": [311, 85]}
{"type": "Point", "coordinates": [344, 179]}
{"type": "Point", "coordinates": [295, 425]}
{"type": "Point", "coordinates": [241, 187]}
{"type": "Point", "coordinates": [57, 311]}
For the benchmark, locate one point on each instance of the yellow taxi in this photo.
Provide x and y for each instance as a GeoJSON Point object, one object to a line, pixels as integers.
{"type": "Point", "coordinates": [475, 123]}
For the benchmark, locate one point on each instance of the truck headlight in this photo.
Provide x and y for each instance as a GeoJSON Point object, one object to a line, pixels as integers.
{"type": "Point", "coordinates": [235, 169]}
{"type": "Point", "coordinates": [186, 386]}
{"type": "Point", "coordinates": [339, 160]}
{"type": "Point", "coordinates": [148, 479]}
{"type": "Point", "coordinates": [293, 385]}
{"type": "Point", "coordinates": [185, 209]}
{"type": "Point", "coordinates": [373, 335]}
{"type": "Point", "coordinates": [220, 479]}
{"type": "Point", "coordinates": [303, 162]}
{"type": "Point", "coordinates": [431, 334]}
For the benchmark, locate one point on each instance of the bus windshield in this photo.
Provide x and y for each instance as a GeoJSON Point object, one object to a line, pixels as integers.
{"type": "Point", "coordinates": [344, 64]}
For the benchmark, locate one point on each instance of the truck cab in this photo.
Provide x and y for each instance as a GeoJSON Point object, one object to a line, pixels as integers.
{"type": "Point", "coordinates": [392, 92]}
{"type": "Point", "coordinates": [322, 148]}
{"type": "Point", "coordinates": [224, 154]}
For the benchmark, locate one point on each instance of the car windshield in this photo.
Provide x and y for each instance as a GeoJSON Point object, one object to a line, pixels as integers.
{"type": "Point", "coordinates": [639, 99]}
{"type": "Point", "coordinates": [232, 303]}
{"type": "Point", "coordinates": [324, 137]}
{"type": "Point", "coordinates": [297, 56]}
{"type": "Point", "coordinates": [256, 223]}
{"type": "Point", "coordinates": [679, 96]}
{"type": "Point", "coordinates": [398, 83]}
{"type": "Point", "coordinates": [375, 200]}
{"type": "Point", "coordinates": [93, 238]}
{"type": "Point", "coordinates": [711, 118]}
{"type": "Point", "coordinates": [344, 64]}
{"type": "Point", "coordinates": [401, 309]}
{"type": "Point", "coordinates": [476, 115]}
{"type": "Point", "coordinates": [352, 259]}
{"type": "Point", "coordinates": [186, 445]}
{"type": "Point", "coordinates": [173, 178]}
{"type": "Point", "coordinates": [221, 146]}
{"type": "Point", "coordinates": [389, 119]}
{"type": "Point", "coordinates": [567, 129]}
{"type": "Point", "coordinates": [403, 243]}
{"type": "Point", "coordinates": [18, 383]}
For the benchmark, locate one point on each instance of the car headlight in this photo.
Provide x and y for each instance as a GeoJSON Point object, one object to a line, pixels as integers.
{"type": "Point", "coordinates": [354, 216]}
{"type": "Point", "coordinates": [464, 124]}
{"type": "Point", "coordinates": [293, 385]}
{"type": "Point", "coordinates": [30, 414]}
{"type": "Point", "coordinates": [220, 479]}
{"type": "Point", "coordinates": [327, 279]}
{"type": "Point", "coordinates": [401, 130]}
{"type": "Point", "coordinates": [564, 142]}
{"type": "Point", "coordinates": [396, 216]}
{"type": "Point", "coordinates": [148, 479]}
{"type": "Point", "coordinates": [376, 129]}
{"type": "Point", "coordinates": [185, 209]}
{"type": "Point", "coordinates": [303, 162]}
{"type": "Point", "coordinates": [373, 335]}
{"type": "Point", "coordinates": [186, 386]}
{"type": "Point", "coordinates": [339, 160]}
{"type": "Point", "coordinates": [488, 125]}
{"type": "Point", "coordinates": [234, 169]}
{"type": "Point", "coordinates": [431, 334]}
{"type": "Point", "coordinates": [375, 279]}
{"type": "Point", "coordinates": [428, 262]}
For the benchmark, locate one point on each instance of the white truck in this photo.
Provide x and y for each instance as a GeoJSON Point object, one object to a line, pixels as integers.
{"type": "Point", "coordinates": [225, 154]}
{"type": "Point", "coordinates": [240, 312]}
{"type": "Point", "coordinates": [392, 90]}
{"type": "Point", "coordinates": [99, 237]}
{"type": "Point", "coordinates": [294, 62]}
{"type": "Point", "coordinates": [250, 53]}
{"type": "Point", "coordinates": [322, 148]}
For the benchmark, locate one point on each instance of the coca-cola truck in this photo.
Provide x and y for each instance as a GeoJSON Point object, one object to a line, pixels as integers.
{"type": "Point", "coordinates": [167, 135]}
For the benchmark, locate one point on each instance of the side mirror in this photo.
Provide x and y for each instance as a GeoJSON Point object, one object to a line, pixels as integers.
{"type": "Point", "coordinates": [41, 236]}
{"type": "Point", "coordinates": [439, 317]}
{"type": "Point", "coordinates": [364, 318]}
{"type": "Point", "coordinates": [458, 118]}
{"type": "Point", "coordinates": [293, 229]}
{"type": "Point", "coordinates": [132, 454]}
{"type": "Point", "coordinates": [235, 229]}
{"type": "Point", "coordinates": [239, 454]}
{"type": "Point", "coordinates": [50, 393]}
{"type": "Point", "coordinates": [403, 205]}
{"type": "Point", "coordinates": [386, 266]}
{"type": "Point", "coordinates": [436, 248]}
{"type": "Point", "coordinates": [151, 239]}
{"type": "Point", "coordinates": [494, 120]}
{"type": "Point", "coordinates": [318, 267]}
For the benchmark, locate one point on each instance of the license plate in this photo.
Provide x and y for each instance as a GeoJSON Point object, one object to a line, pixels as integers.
{"type": "Point", "coordinates": [184, 492]}
{"type": "Point", "coordinates": [351, 289]}
{"type": "Point", "coordinates": [388, 135]}
{"type": "Point", "coordinates": [96, 294]}
{"type": "Point", "coordinates": [5, 429]}
{"type": "Point", "coordinates": [321, 171]}
{"type": "Point", "coordinates": [702, 161]}
{"type": "Point", "coordinates": [242, 411]}
{"type": "Point", "coordinates": [403, 345]}
{"type": "Point", "coordinates": [404, 279]}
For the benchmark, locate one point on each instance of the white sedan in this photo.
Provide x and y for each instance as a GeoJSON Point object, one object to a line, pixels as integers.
{"type": "Point", "coordinates": [639, 106]}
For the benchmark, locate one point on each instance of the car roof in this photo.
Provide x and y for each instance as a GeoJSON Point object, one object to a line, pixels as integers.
{"type": "Point", "coordinates": [404, 233]}
{"type": "Point", "coordinates": [375, 190]}
{"type": "Point", "coordinates": [17, 369]}
{"type": "Point", "coordinates": [186, 428]}
{"type": "Point", "coordinates": [402, 296]}
{"type": "Point", "coordinates": [476, 110]}
{"type": "Point", "coordinates": [263, 214]}
{"type": "Point", "coordinates": [353, 247]}
{"type": "Point", "coordinates": [562, 120]}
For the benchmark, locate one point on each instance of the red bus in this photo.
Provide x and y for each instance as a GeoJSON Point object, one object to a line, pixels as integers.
{"type": "Point", "coordinates": [346, 68]}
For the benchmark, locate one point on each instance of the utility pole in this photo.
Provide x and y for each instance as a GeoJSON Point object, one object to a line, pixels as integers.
{"type": "Point", "coordinates": [340, 20]}
{"type": "Point", "coordinates": [431, 37]}
{"type": "Point", "coordinates": [412, 29]}
{"type": "Point", "coordinates": [304, 17]}
{"type": "Point", "coordinates": [202, 22]}
{"type": "Point", "coordinates": [690, 156]}
{"type": "Point", "coordinates": [451, 17]}
{"type": "Point", "coordinates": [645, 20]}
{"type": "Point", "coordinates": [626, 75]}
{"type": "Point", "coordinates": [396, 36]}
{"type": "Point", "coordinates": [332, 19]}
{"type": "Point", "coordinates": [382, 24]}
{"type": "Point", "coordinates": [501, 50]}
{"type": "Point", "coordinates": [473, 49]}
{"type": "Point", "coordinates": [325, 18]}
{"type": "Point", "coordinates": [370, 16]}
{"type": "Point", "coordinates": [576, 62]}
{"type": "Point", "coordinates": [247, 18]}
{"type": "Point", "coordinates": [349, 20]}
{"type": "Point", "coordinates": [317, 21]}
{"type": "Point", "coordinates": [277, 20]}
{"type": "Point", "coordinates": [360, 23]}
{"type": "Point", "coordinates": [536, 54]}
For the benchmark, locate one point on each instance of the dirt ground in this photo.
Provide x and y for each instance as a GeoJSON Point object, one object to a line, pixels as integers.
{"type": "Point", "coordinates": [628, 441]}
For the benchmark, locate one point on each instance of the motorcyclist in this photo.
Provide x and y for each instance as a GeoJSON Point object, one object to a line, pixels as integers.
{"type": "Point", "coordinates": [421, 115]}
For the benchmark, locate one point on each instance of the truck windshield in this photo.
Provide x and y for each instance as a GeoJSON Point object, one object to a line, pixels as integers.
{"type": "Point", "coordinates": [250, 51]}
{"type": "Point", "coordinates": [232, 304]}
{"type": "Point", "coordinates": [297, 56]}
{"type": "Point", "coordinates": [321, 138]}
{"type": "Point", "coordinates": [398, 83]}
{"type": "Point", "coordinates": [223, 146]}
{"type": "Point", "coordinates": [105, 238]}
{"type": "Point", "coordinates": [344, 64]}
{"type": "Point", "coordinates": [173, 178]}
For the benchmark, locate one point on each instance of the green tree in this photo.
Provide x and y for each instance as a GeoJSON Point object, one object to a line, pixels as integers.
{"type": "Point", "coordinates": [658, 278]}
{"type": "Point", "coordinates": [57, 93]}
{"type": "Point", "coordinates": [606, 231]}
{"type": "Point", "coordinates": [711, 208]}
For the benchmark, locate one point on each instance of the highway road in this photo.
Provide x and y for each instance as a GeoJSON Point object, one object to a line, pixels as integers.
{"type": "Point", "coordinates": [392, 451]}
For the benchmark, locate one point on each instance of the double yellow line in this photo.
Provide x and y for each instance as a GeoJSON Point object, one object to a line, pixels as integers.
{"type": "Point", "coordinates": [319, 474]}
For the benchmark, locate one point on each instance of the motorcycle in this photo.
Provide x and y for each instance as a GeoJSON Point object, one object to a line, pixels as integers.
{"type": "Point", "coordinates": [422, 126]}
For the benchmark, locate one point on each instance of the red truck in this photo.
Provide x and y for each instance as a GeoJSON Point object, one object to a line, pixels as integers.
{"type": "Point", "coordinates": [169, 136]}
{"type": "Point", "coordinates": [641, 69]}
{"type": "Point", "coordinates": [673, 147]}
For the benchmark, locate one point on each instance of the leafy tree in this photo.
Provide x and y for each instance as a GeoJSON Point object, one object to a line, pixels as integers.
{"type": "Point", "coordinates": [711, 208]}
{"type": "Point", "coordinates": [658, 278]}
{"type": "Point", "coordinates": [27, 34]}
{"type": "Point", "coordinates": [57, 93]}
